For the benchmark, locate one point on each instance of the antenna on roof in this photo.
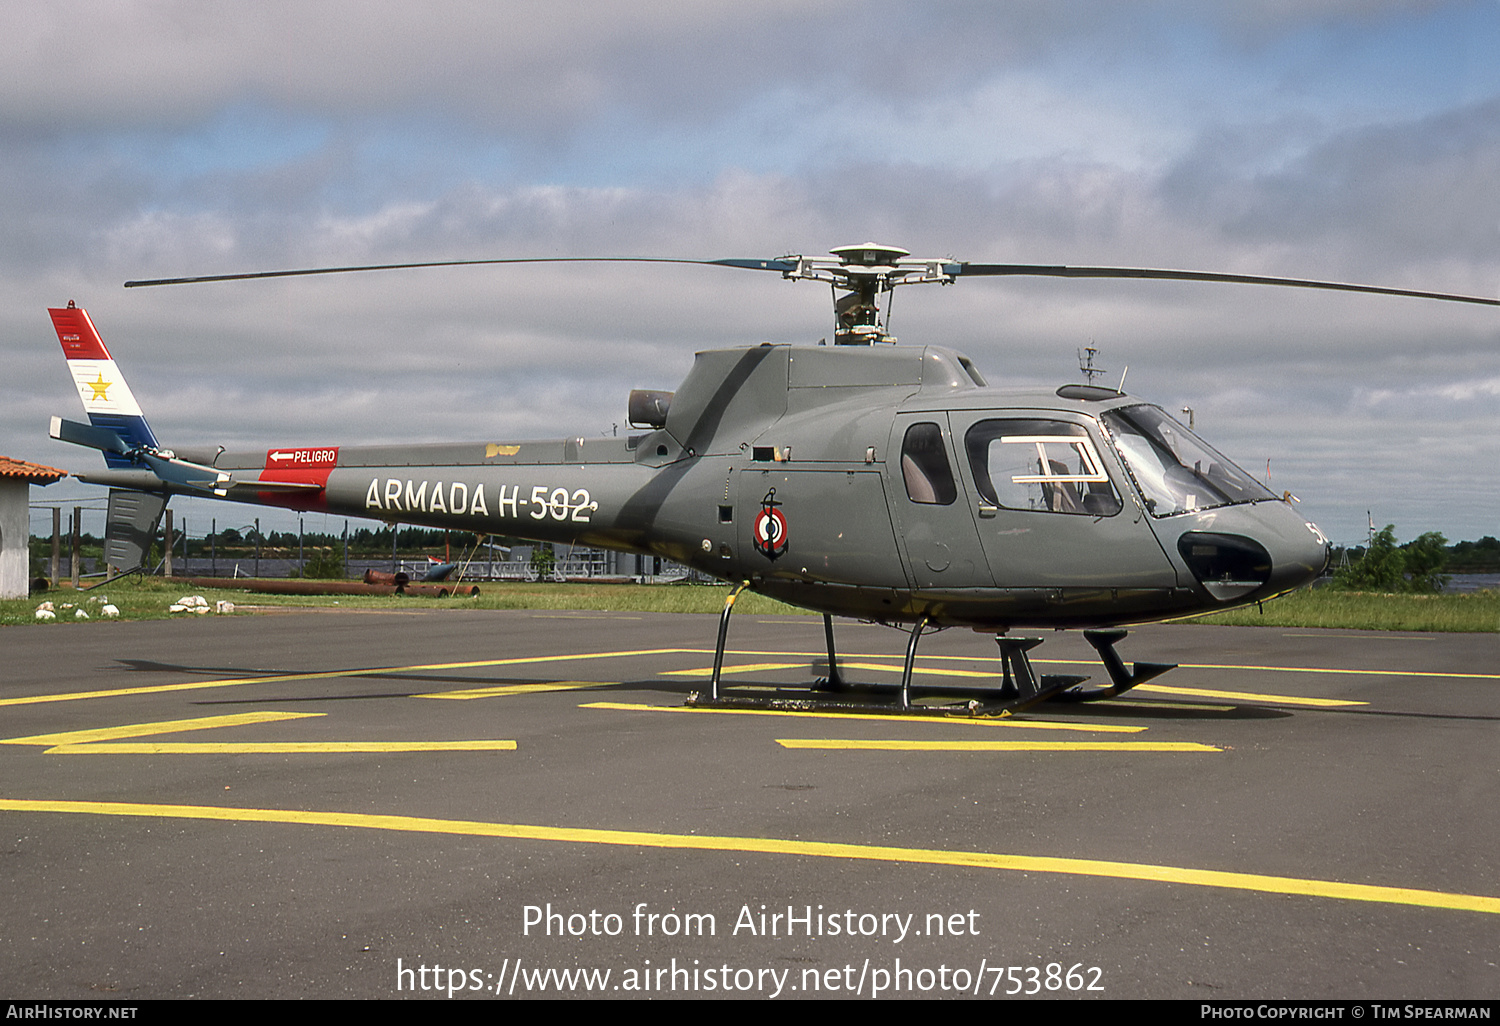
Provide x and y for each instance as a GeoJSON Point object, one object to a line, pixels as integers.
{"type": "Point", "coordinates": [1086, 363]}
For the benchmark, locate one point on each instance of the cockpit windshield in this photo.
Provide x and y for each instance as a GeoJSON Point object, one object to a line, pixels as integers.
{"type": "Point", "coordinates": [1176, 470]}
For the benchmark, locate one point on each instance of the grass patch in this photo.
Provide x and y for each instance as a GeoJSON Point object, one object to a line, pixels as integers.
{"type": "Point", "coordinates": [1474, 611]}
{"type": "Point", "coordinates": [146, 599]}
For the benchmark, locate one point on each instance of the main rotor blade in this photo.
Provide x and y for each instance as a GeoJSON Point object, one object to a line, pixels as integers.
{"type": "Point", "coordinates": [788, 264]}
{"type": "Point", "coordinates": [767, 265]}
{"type": "Point", "coordinates": [1060, 271]}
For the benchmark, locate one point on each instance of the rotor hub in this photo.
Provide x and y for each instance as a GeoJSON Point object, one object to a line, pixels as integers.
{"type": "Point", "coordinates": [859, 276]}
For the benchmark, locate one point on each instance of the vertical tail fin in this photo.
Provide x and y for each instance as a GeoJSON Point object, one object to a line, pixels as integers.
{"type": "Point", "coordinates": [101, 386]}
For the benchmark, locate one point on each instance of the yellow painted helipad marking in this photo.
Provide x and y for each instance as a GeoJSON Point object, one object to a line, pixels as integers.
{"type": "Point", "coordinates": [708, 671]}
{"type": "Point", "coordinates": [919, 670]}
{"type": "Point", "coordinates": [105, 740]}
{"type": "Point", "coordinates": [1245, 696]}
{"type": "Point", "coordinates": [1346, 671]}
{"type": "Point", "coordinates": [277, 747]}
{"type": "Point", "coordinates": [939, 671]}
{"type": "Point", "coordinates": [777, 846]}
{"type": "Point", "coordinates": [82, 737]}
{"type": "Point", "coordinates": [1341, 670]}
{"type": "Point", "coordinates": [978, 721]}
{"type": "Point", "coordinates": [371, 671]}
{"type": "Point", "coordinates": [1156, 707]}
{"type": "Point", "coordinates": [199, 685]}
{"type": "Point", "coordinates": [893, 745]}
{"type": "Point", "coordinates": [507, 690]}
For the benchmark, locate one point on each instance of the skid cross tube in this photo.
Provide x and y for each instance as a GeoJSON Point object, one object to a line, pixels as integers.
{"type": "Point", "coordinates": [911, 657]}
{"type": "Point", "coordinates": [835, 681]}
{"type": "Point", "coordinates": [713, 686]}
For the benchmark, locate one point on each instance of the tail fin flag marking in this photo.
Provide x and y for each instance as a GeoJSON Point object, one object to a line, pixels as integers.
{"type": "Point", "coordinates": [118, 429]}
{"type": "Point", "coordinates": [106, 397]}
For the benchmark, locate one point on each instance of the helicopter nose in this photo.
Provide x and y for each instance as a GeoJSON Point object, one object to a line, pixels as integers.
{"type": "Point", "coordinates": [1299, 556]}
{"type": "Point", "coordinates": [1253, 552]}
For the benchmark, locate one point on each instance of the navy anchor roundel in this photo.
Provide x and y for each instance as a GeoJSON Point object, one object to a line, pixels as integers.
{"type": "Point", "coordinates": [769, 529]}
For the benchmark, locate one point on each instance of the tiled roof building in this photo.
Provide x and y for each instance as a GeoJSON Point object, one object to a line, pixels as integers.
{"type": "Point", "coordinates": [16, 479]}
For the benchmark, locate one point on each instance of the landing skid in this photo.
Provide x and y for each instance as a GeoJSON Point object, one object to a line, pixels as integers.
{"type": "Point", "coordinates": [1021, 687]}
{"type": "Point", "coordinates": [874, 707]}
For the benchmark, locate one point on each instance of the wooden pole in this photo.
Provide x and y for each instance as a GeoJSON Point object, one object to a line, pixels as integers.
{"type": "Point", "coordinates": [77, 541]}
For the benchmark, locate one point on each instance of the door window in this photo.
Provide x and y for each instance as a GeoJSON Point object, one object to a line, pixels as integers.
{"type": "Point", "coordinates": [925, 467]}
{"type": "Point", "coordinates": [1042, 465]}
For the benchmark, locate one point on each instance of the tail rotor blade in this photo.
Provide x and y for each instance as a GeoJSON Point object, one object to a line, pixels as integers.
{"type": "Point", "coordinates": [185, 474]}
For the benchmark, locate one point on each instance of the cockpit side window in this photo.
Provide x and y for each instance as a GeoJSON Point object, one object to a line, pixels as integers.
{"type": "Point", "coordinates": [925, 467]}
{"type": "Point", "coordinates": [1043, 465]}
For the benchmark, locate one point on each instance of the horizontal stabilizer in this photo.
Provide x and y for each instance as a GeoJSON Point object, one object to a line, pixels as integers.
{"type": "Point", "coordinates": [99, 438]}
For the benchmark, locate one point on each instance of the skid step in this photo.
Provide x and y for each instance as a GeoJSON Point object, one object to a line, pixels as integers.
{"type": "Point", "coordinates": [1121, 679]}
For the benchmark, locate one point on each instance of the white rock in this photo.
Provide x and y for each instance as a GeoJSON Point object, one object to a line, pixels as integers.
{"type": "Point", "coordinates": [45, 614]}
{"type": "Point", "coordinates": [44, 607]}
{"type": "Point", "coordinates": [79, 614]}
{"type": "Point", "coordinates": [223, 606]}
{"type": "Point", "coordinates": [109, 609]}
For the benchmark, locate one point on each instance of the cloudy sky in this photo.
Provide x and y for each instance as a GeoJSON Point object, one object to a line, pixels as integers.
{"type": "Point", "coordinates": [1355, 140]}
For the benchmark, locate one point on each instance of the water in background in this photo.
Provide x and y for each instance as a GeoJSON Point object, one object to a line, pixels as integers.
{"type": "Point", "coordinates": [1473, 582]}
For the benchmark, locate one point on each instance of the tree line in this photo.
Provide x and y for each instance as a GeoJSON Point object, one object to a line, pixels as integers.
{"type": "Point", "coordinates": [1420, 566]}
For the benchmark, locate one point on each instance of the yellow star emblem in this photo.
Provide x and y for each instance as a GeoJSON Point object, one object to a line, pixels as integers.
{"type": "Point", "coordinates": [100, 388]}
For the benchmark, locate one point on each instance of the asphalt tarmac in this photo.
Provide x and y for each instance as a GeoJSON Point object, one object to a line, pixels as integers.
{"type": "Point", "coordinates": [510, 804]}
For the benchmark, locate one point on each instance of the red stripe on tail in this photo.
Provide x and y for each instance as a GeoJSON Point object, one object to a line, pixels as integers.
{"type": "Point", "coordinates": [76, 333]}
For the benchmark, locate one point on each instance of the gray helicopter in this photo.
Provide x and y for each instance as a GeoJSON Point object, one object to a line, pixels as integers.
{"type": "Point", "coordinates": [864, 479]}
